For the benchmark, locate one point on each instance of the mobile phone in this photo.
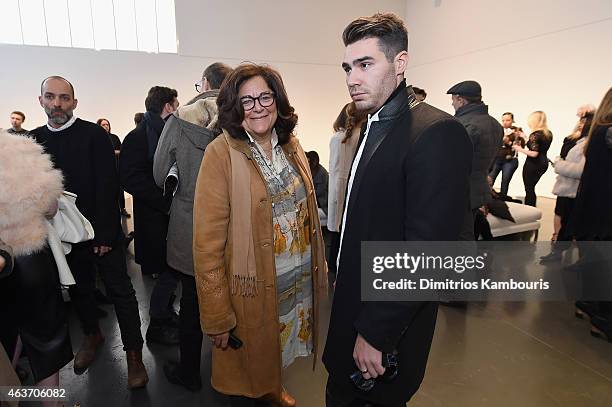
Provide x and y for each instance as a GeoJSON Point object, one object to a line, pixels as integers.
{"type": "Point", "coordinates": [233, 341]}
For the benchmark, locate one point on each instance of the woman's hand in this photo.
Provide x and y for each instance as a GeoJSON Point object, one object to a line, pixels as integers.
{"type": "Point", "coordinates": [220, 340]}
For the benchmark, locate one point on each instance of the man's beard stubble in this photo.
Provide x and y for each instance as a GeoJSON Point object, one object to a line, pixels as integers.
{"type": "Point", "coordinates": [58, 119]}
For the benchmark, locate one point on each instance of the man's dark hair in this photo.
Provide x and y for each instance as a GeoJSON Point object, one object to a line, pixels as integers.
{"type": "Point", "coordinates": [420, 91]}
{"type": "Point", "coordinates": [56, 77]}
{"type": "Point", "coordinates": [231, 112]}
{"type": "Point", "coordinates": [138, 117]}
{"type": "Point", "coordinates": [216, 73]}
{"type": "Point", "coordinates": [509, 114]}
{"type": "Point", "coordinates": [158, 97]}
{"type": "Point", "coordinates": [472, 99]}
{"type": "Point", "coordinates": [17, 112]}
{"type": "Point", "coordinates": [388, 28]}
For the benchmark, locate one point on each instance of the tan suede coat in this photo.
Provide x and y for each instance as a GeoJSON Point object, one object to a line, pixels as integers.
{"type": "Point", "coordinates": [254, 370]}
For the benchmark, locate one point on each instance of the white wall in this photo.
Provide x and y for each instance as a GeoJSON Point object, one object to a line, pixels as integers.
{"type": "Point", "coordinates": [550, 55]}
{"type": "Point", "coordinates": [302, 39]}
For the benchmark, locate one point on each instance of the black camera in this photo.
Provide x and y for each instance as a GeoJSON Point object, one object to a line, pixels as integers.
{"type": "Point", "coordinates": [389, 361]}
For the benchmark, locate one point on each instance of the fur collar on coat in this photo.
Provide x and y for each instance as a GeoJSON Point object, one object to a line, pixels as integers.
{"type": "Point", "coordinates": [28, 187]}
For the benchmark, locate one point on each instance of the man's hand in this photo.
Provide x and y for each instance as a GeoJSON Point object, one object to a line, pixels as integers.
{"type": "Point", "coordinates": [368, 359]}
{"type": "Point", "coordinates": [2, 263]}
{"type": "Point", "coordinates": [101, 250]}
{"type": "Point", "coordinates": [220, 341]}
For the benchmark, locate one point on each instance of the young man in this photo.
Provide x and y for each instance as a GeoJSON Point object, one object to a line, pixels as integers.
{"type": "Point", "coordinates": [17, 119]}
{"type": "Point", "coordinates": [151, 209]}
{"type": "Point", "coordinates": [82, 151]}
{"type": "Point", "coordinates": [409, 182]}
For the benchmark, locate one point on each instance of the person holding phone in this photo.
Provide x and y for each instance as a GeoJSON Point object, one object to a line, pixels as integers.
{"type": "Point", "coordinates": [258, 250]}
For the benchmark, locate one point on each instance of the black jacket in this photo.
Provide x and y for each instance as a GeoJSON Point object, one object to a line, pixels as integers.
{"type": "Point", "coordinates": [591, 218]}
{"type": "Point", "coordinates": [487, 135]}
{"type": "Point", "coordinates": [150, 206]}
{"type": "Point", "coordinates": [84, 154]}
{"type": "Point", "coordinates": [413, 187]}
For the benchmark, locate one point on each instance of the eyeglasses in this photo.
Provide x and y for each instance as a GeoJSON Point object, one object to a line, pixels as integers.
{"type": "Point", "coordinates": [266, 99]}
{"type": "Point", "coordinates": [198, 85]}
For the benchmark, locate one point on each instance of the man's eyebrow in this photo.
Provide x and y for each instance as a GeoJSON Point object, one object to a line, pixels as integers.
{"type": "Point", "coordinates": [362, 59]}
{"type": "Point", "coordinates": [51, 93]}
{"type": "Point", "coordinates": [357, 61]}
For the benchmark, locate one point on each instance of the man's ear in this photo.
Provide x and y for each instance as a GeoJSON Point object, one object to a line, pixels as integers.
{"type": "Point", "coordinates": [40, 100]}
{"type": "Point", "coordinates": [401, 62]}
{"type": "Point", "coordinates": [75, 103]}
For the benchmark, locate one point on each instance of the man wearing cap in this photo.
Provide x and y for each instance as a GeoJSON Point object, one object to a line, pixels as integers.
{"type": "Point", "coordinates": [486, 135]}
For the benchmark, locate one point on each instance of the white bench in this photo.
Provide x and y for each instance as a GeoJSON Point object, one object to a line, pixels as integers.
{"type": "Point", "coordinates": [527, 219]}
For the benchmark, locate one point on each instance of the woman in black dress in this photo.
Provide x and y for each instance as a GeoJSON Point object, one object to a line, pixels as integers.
{"type": "Point", "coordinates": [537, 145]}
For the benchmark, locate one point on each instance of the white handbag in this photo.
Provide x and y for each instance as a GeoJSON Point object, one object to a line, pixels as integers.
{"type": "Point", "coordinates": [69, 222]}
{"type": "Point", "coordinates": [68, 226]}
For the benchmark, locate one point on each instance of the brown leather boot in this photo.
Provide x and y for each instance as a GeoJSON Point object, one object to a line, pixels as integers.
{"type": "Point", "coordinates": [137, 373]}
{"type": "Point", "coordinates": [87, 353]}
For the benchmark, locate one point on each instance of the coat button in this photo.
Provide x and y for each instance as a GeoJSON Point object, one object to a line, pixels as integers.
{"type": "Point", "coordinates": [265, 245]}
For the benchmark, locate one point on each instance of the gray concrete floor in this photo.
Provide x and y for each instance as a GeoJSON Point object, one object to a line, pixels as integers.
{"type": "Point", "coordinates": [489, 354]}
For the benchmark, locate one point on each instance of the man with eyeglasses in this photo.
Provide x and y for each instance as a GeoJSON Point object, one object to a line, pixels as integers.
{"type": "Point", "coordinates": [179, 152]}
{"type": "Point", "coordinates": [212, 78]}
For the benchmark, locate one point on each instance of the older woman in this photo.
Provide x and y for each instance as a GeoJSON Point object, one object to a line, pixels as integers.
{"type": "Point", "coordinates": [258, 251]}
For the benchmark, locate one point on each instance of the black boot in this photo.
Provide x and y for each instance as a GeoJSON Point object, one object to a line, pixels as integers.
{"type": "Point", "coordinates": [173, 374]}
{"type": "Point", "coordinates": [162, 331]}
{"type": "Point", "coordinates": [601, 328]}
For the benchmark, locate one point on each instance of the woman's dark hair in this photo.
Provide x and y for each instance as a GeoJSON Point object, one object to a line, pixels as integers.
{"type": "Point", "coordinates": [231, 112]}
{"type": "Point", "coordinates": [99, 121]}
{"type": "Point", "coordinates": [348, 119]}
{"type": "Point", "coordinates": [355, 119]}
{"type": "Point", "coordinates": [340, 122]}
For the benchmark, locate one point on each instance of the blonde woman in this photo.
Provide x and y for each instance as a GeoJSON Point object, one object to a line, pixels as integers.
{"type": "Point", "coordinates": [537, 146]}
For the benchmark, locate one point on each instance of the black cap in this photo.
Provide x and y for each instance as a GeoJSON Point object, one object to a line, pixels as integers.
{"type": "Point", "coordinates": [466, 88]}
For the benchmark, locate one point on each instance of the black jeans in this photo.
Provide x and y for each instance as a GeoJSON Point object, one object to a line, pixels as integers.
{"type": "Point", "coordinates": [190, 332]}
{"type": "Point", "coordinates": [338, 396]}
{"type": "Point", "coordinates": [162, 293]}
{"type": "Point", "coordinates": [533, 169]}
{"type": "Point", "coordinates": [507, 168]}
{"type": "Point", "coordinates": [481, 226]}
{"type": "Point", "coordinates": [113, 270]}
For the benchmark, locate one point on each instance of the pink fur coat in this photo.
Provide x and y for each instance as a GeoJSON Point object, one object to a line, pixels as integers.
{"type": "Point", "coordinates": [28, 187]}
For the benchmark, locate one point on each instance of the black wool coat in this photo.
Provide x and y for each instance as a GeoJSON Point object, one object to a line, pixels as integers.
{"type": "Point", "coordinates": [415, 186]}
{"type": "Point", "coordinates": [150, 206]}
{"type": "Point", "coordinates": [84, 154]}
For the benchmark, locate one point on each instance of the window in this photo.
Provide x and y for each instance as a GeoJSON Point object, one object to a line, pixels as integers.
{"type": "Point", "coordinates": [129, 25]}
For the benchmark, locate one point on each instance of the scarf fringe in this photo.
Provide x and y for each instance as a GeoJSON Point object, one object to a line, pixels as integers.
{"type": "Point", "coordinates": [244, 285]}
